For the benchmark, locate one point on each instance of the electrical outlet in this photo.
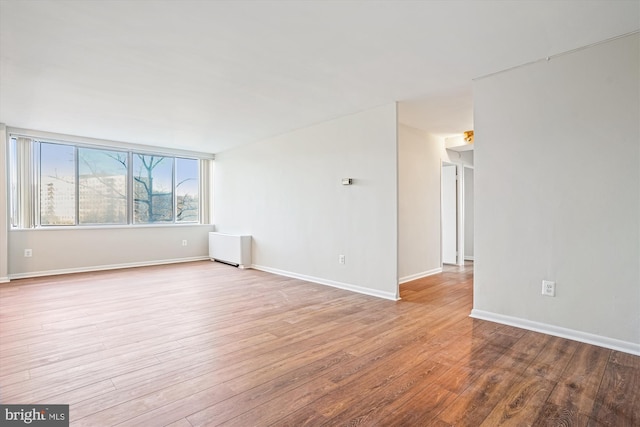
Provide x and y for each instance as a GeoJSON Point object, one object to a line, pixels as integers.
{"type": "Point", "coordinates": [341, 259]}
{"type": "Point", "coordinates": [184, 243]}
{"type": "Point", "coordinates": [28, 253]}
{"type": "Point", "coordinates": [548, 288]}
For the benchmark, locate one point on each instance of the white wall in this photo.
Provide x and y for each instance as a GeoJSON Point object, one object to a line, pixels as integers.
{"type": "Point", "coordinates": [460, 158]}
{"type": "Point", "coordinates": [286, 192]}
{"type": "Point", "coordinates": [419, 203]}
{"type": "Point", "coordinates": [558, 194]}
{"type": "Point", "coordinates": [4, 226]}
{"type": "Point", "coordinates": [83, 249]}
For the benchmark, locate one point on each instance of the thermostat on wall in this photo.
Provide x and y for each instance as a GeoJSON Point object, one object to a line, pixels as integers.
{"type": "Point", "coordinates": [347, 181]}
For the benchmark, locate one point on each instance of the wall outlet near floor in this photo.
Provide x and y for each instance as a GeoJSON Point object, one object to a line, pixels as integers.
{"type": "Point", "coordinates": [548, 288]}
{"type": "Point", "coordinates": [184, 243]}
{"type": "Point", "coordinates": [28, 253]}
{"type": "Point", "coordinates": [341, 259]}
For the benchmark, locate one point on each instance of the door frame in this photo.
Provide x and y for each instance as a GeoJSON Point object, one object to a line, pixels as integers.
{"type": "Point", "coordinates": [459, 210]}
{"type": "Point", "coordinates": [456, 166]}
{"type": "Point", "coordinates": [463, 210]}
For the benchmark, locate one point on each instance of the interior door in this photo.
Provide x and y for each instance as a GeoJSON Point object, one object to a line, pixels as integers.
{"type": "Point", "coordinates": [449, 214]}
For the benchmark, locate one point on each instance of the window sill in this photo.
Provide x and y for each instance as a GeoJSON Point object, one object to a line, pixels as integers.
{"type": "Point", "coordinates": [107, 227]}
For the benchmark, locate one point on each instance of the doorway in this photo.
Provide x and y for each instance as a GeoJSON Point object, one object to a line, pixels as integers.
{"type": "Point", "coordinates": [449, 221]}
{"type": "Point", "coordinates": [457, 220]}
{"type": "Point", "coordinates": [467, 189]}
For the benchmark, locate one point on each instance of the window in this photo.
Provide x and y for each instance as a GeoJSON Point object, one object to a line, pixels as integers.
{"type": "Point", "coordinates": [76, 185]}
{"type": "Point", "coordinates": [153, 188]}
{"type": "Point", "coordinates": [102, 188]}
{"type": "Point", "coordinates": [187, 199]}
{"type": "Point", "coordinates": [57, 184]}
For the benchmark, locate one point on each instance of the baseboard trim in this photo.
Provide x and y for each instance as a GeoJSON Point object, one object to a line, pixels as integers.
{"type": "Point", "coordinates": [332, 283]}
{"type": "Point", "coordinates": [468, 258]}
{"type": "Point", "coordinates": [417, 276]}
{"type": "Point", "coordinates": [585, 337]}
{"type": "Point", "coordinates": [4, 279]}
{"type": "Point", "coordinates": [104, 267]}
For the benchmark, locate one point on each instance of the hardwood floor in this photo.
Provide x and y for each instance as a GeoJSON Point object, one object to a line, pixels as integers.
{"type": "Point", "coordinates": [206, 344]}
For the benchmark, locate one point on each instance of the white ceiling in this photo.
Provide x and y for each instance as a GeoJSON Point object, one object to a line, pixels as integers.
{"type": "Point", "coordinates": [211, 75]}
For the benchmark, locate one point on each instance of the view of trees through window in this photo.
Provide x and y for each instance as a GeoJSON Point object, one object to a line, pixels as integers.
{"type": "Point", "coordinates": [153, 188]}
{"type": "Point", "coordinates": [102, 189]}
{"type": "Point", "coordinates": [90, 186]}
{"type": "Point", "coordinates": [187, 184]}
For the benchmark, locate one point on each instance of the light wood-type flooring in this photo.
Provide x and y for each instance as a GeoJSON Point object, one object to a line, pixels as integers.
{"type": "Point", "coordinates": [206, 344]}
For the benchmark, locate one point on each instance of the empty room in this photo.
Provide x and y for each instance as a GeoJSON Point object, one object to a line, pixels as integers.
{"type": "Point", "coordinates": [323, 213]}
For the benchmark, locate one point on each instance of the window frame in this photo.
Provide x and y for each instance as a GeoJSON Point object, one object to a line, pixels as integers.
{"type": "Point", "coordinates": [25, 196]}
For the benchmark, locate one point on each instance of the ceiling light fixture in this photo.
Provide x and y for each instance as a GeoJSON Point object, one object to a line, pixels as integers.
{"type": "Point", "coordinates": [468, 136]}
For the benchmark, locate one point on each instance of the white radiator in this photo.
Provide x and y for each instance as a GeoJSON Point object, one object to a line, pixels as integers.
{"type": "Point", "coordinates": [230, 249]}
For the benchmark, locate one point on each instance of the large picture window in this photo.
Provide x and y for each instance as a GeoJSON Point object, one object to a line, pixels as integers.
{"type": "Point", "coordinates": [76, 185]}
